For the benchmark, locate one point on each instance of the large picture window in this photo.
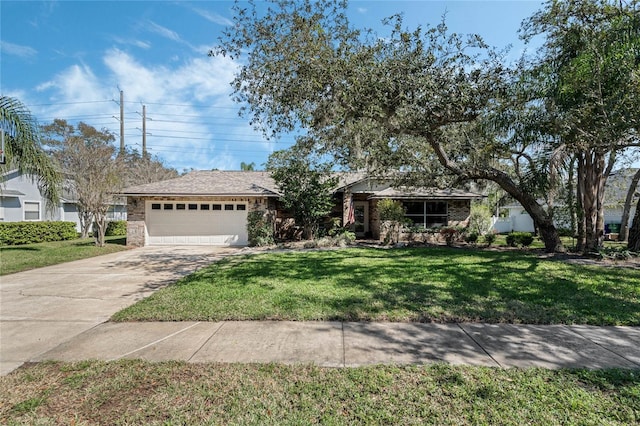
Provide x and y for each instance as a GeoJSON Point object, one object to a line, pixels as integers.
{"type": "Point", "coordinates": [426, 214]}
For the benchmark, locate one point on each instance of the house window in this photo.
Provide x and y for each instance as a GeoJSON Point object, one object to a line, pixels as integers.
{"type": "Point", "coordinates": [204, 206]}
{"type": "Point", "coordinates": [31, 210]}
{"type": "Point", "coordinates": [155, 206]}
{"type": "Point", "coordinates": [241, 207]}
{"type": "Point", "coordinates": [228, 206]}
{"type": "Point", "coordinates": [217, 207]}
{"type": "Point", "coordinates": [168, 206]}
{"type": "Point", "coordinates": [193, 207]}
{"type": "Point", "coordinates": [181, 206]}
{"type": "Point", "coordinates": [426, 214]}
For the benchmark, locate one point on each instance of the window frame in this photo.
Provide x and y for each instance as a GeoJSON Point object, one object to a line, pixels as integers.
{"type": "Point", "coordinates": [24, 210]}
{"type": "Point", "coordinates": [423, 217]}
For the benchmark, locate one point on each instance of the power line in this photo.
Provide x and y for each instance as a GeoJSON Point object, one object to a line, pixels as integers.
{"type": "Point", "coordinates": [70, 103]}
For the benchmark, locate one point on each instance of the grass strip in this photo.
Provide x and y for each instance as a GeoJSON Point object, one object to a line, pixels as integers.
{"type": "Point", "coordinates": [136, 392]}
{"type": "Point", "coordinates": [30, 256]}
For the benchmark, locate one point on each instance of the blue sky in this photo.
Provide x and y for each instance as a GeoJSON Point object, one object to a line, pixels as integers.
{"type": "Point", "coordinates": [69, 59]}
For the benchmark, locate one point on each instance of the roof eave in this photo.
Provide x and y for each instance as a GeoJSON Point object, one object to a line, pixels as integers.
{"type": "Point", "coordinates": [184, 194]}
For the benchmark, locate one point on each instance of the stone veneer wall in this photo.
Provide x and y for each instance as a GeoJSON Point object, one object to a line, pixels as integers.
{"type": "Point", "coordinates": [136, 226]}
{"type": "Point", "coordinates": [459, 212]}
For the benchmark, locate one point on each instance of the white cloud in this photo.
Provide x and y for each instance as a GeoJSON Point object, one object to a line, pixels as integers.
{"type": "Point", "coordinates": [133, 42]}
{"type": "Point", "coordinates": [213, 17]}
{"type": "Point", "coordinates": [192, 120]}
{"type": "Point", "coordinates": [162, 31]}
{"type": "Point", "coordinates": [17, 50]}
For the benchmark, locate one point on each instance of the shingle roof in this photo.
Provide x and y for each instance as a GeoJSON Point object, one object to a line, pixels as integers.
{"type": "Point", "coordinates": [432, 193]}
{"type": "Point", "coordinates": [213, 182]}
{"type": "Point", "coordinates": [248, 183]}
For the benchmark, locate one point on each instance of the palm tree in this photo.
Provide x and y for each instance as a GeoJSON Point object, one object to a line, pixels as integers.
{"type": "Point", "coordinates": [23, 150]}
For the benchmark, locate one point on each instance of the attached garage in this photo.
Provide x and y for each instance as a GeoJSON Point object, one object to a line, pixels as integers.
{"type": "Point", "coordinates": [200, 208]}
{"type": "Point", "coordinates": [196, 223]}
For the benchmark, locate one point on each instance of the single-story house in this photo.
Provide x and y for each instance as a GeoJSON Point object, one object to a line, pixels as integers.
{"type": "Point", "coordinates": [211, 207]}
{"type": "Point", "coordinates": [21, 200]}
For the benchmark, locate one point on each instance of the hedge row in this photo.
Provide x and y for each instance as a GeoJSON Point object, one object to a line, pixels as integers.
{"type": "Point", "coordinates": [15, 233]}
{"type": "Point", "coordinates": [116, 228]}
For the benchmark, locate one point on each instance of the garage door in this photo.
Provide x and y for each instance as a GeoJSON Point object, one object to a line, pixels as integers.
{"type": "Point", "coordinates": [197, 223]}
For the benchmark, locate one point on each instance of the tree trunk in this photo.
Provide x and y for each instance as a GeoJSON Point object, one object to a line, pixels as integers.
{"type": "Point", "coordinates": [542, 220]}
{"type": "Point", "coordinates": [634, 232]}
{"type": "Point", "coordinates": [580, 222]}
{"type": "Point", "coordinates": [593, 180]}
{"type": "Point", "coordinates": [86, 219]}
{"type": "Point", "coordinates": [624, 226]}
{"type": "Point", "coordinates": [571, 198]}
{"type": "Point", "coordinates": [101, 225]}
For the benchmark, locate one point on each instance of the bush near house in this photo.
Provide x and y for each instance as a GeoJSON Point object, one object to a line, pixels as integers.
{"type": "Point", "coordinates": [116, 228]}
{"type": "Point", "coordinates": [260, 229]}
{"type": "Point", "coordinates": [523, 239]}
{"type": "Point", "coordinates": [16, 233]}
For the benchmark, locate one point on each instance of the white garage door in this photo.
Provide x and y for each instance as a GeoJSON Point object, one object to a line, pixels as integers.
{"type": "Point", "coordinates": [197, 223]}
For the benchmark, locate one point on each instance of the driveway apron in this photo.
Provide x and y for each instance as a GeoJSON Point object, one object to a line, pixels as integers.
{"type": "Point", "coordinates": [42, 308]}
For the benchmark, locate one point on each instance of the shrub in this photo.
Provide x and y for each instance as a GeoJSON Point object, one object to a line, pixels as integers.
{"type": "Point", "coordinates": [392, 218]}
{"type": "Point", "coordinates": [490, 238]}
{"type": "Point", "coordinates": [565, 232]}
{"type": "Point", "coordinates": [472, 238]}
{"type": "Point", "coordinates": [16, 233]}
{"type": "Point", "coordinates": [116, 228]}
{"type": "Point", "coordinates": [523, 239]}
{"type": "Point", "coordinates": [260, 229]}
{"type": "Point", "coordinates": [450, 235]}
{"type": "Point", "coordinates": [616, 253]}
{"type": "Point", "coordinates": [479, 219]}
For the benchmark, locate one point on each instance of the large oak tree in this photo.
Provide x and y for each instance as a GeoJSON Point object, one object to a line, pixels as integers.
{"type": "Point", "coordinates": [410, 100]}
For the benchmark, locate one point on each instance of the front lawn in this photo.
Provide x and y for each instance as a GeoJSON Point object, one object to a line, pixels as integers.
{"type": "Point", "coordinates": [31, 256]}
{"type": "Point", "coordinates": [414, 284]}
{"type": "Point", "coordinates": [136, 392]}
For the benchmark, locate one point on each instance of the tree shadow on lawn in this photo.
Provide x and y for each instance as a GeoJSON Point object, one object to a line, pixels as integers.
{"type": "Point", "coordinates": [19, 248]}
{"type": "Point", "coordinates": [442, 285]}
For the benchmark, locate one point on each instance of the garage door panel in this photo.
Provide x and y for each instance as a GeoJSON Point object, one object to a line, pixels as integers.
{"type": "Point", "coordinates": [204, 227]}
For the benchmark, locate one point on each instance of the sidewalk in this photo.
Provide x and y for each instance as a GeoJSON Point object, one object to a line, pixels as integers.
{"type": "Point", "coordinates": [337, 344]}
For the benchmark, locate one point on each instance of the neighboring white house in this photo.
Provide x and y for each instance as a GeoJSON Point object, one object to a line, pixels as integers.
{"type": "Point", "coordinates": [21, 200]}
{"type": "Point", "coordinates": [518, 219]}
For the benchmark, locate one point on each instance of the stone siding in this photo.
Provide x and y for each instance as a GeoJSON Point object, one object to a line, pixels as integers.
{"type": "Point", "coordinates": [136, 233]}
{"type": "Point", "coordinates": [459, 212]}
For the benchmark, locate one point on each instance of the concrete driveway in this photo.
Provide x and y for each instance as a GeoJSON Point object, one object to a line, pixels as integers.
{"type": "Point", "coordinates": [42, 308]}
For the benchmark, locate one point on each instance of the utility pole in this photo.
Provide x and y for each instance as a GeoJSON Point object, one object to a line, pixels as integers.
{"type": "Point", "coordinates": [121, 122]}
{"type": "Point", "coordinates": [144, 131]}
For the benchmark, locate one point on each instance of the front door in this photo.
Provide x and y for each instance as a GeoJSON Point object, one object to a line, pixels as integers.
{"type": "Point", "coordinates": [361, 216]}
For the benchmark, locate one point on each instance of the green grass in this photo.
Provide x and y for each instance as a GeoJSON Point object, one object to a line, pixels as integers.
{"type": "Point", "coordinates": [415, 284]}
{"type": "Point", "coordinates": [137, 392]}
{"type": "Point", "coordinates": [30, 256]}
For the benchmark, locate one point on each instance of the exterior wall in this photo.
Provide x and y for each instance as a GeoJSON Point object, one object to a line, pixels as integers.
{"type": "Point", "coordinates": [374, 219]}
{"type": "Point", "coordinates": [347, 198]}
{"type": "Point", "coordinates": [12, 207]}
{"type": "Point", "coordinates": [459, 212]}
{"type": "Point", "coordinates": [136, 227]}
